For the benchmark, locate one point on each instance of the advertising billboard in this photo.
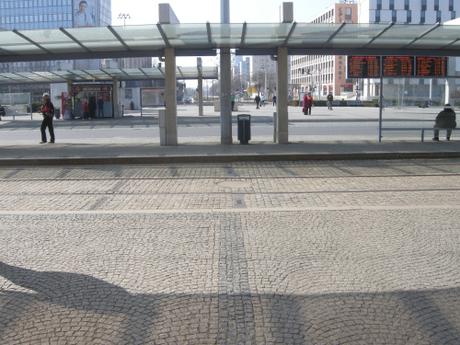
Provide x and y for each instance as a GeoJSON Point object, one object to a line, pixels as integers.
{"type": "Point", "coordinates": [85, 13]}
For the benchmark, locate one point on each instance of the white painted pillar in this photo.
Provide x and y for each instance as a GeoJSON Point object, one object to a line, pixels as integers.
{"type": "Point", "coordinates": [282, 101]}
{"type": "Point", "coordinates": [447, 92]}
{"type": "Point", "coordinates": [170, 98]}
{"type": "Point", "coordinates": [226, 137]}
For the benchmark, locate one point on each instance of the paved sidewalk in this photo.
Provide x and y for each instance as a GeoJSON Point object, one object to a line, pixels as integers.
{"type": "Point", "coordinates": [62, 154]}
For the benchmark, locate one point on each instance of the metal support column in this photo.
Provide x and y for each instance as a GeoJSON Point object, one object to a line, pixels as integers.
{"type": "Point", "coordinates": [170, 98]}
{"type": "Point", "coordinates": [116, 99]}
{"type": "Point", "coordinates": [282, 101]}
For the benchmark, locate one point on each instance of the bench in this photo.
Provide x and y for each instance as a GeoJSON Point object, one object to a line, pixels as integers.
{"type": "Point", "coordinates": [421, 129]}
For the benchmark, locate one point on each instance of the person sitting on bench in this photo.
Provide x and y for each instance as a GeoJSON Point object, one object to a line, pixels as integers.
{"type": "Point", "coordinates": [445, 120]}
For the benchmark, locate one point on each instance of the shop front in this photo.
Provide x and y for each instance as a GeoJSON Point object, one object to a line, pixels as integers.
{"type": "Point", "coordinates": [91, 101]}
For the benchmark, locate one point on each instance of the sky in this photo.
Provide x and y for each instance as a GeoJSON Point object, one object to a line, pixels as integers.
{"type": "Point", "coordinates": [202, 11]}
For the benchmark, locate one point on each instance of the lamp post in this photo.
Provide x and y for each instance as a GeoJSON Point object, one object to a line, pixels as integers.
{"type": "Point", "coordinates": [124, 16]}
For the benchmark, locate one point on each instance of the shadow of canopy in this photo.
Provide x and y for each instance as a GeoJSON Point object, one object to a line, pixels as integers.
{"type": "Point", "coordinates": [63, 306]}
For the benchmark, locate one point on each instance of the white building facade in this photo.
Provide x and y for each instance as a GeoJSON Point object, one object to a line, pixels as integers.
{"type": "Point", "coordinates": [407, 12]}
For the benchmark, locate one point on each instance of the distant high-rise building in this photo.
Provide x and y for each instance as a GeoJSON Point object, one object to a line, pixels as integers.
{"type": "Point", "coordinates": [241, 72]}
{"type": "Point", "coordinates": [264, 74]}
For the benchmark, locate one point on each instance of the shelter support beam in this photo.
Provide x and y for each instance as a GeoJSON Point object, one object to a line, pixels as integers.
{"type": "Point", "coordinates": [170, 98]}
{"type": "Point", "coordinates": [282, 99]}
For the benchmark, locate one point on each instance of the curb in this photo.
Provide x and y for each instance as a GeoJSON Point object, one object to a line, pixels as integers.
{"type": "Point", "coordinates": [149, 160]}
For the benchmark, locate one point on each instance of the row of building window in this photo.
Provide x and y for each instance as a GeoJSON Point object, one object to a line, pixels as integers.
{"type": "Point", "coordinates": [394, 16]}
{"type": "Point", "coordinates": [59, 17]}
{"type": "Point", "coordinates": [423, 5]}
{"type": "Point", "coordinates": [33, 3]}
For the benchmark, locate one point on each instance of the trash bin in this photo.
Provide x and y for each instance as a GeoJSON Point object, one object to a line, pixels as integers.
{"type": "Point", "coordinates": [244, 128]}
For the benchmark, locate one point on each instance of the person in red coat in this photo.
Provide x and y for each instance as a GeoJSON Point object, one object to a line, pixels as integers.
{"type": "Point", "coordinates": [307, 103]}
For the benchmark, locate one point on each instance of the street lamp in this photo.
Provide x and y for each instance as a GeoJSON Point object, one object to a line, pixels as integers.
{"type": "Point", "coordinates": [124, 16]}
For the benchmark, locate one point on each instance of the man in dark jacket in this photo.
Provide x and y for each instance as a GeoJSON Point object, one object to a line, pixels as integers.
{"type": "Point", "coordinates": [47, 111]}
{"type": "Point", "coordinates": [445, 120]}
{"type": "Point", "coordinates": [330, 98]}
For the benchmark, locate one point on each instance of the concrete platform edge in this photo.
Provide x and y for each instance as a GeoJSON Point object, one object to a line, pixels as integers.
{"type": "Point", "coordinates": [222, 158]}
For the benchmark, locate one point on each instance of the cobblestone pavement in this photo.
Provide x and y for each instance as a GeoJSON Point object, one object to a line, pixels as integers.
{"type": "Point", "coordinates": [320, 253]}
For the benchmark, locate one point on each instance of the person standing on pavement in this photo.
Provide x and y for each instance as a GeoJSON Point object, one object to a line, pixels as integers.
{"type": "Point", "coordinates": [274, 100]}
{"type": "Point", "coordinates": [47, 110]}
{"type": "Point", "coordinates": [307, 103]}
{"type": "Point", "coordinates": [257, 99]}
{"type": "Point", "coordinates": [445, 120]}
{"type": "Point", "coordinates": [232, 99]}
{"type": "Point", "coordinates": [330, 98]}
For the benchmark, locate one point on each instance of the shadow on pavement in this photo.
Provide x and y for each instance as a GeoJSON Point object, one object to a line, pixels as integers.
{"type": "Point", "coordinates": [78, 308]}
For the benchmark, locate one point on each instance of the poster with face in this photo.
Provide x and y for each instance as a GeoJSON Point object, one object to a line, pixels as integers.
{"type": "Point", "coordinates": [85, 13]}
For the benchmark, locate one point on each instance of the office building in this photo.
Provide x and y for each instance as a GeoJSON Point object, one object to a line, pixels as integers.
{"type": "Point", "coordinates": [321, 74]}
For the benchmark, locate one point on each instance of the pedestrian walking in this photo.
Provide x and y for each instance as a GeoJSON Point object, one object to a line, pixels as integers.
{"type": "Point", "coordinates": [307, 103]}
{"type": "Point", "coordinates": [330, 98]}
{"type": "Point", "coordinates": [47, 110]}
{"type": "Point", "coordinates": [232, 99]}
{"type": "Point", "coordinates": [262, 101]}
{"type": "Point", "coordinates": [445, 120]}
{"type": "Point", "coordinates": [274, 100]}
{"type": "Point", "coordinates": [257, 99]}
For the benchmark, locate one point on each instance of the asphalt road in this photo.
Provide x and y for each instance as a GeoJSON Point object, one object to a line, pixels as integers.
{"type": "Point", "coordinates": [341, 124]}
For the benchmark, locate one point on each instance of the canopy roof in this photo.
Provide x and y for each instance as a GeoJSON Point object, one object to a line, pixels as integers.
{"type": "Point", "coordinates": [203, 39]}
{"type": "Point", "coordinates": [104, 75]}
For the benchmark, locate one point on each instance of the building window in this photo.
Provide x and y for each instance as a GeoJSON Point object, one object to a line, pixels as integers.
{"type": "Point", "coordinates": [392, 5]}
{"type": "Point", "coordinates": [422, 17]}
{"type": "Point", "coordinates": [393, 16]}
{"type": "Point", "coordinates": [436, 5]}
{"type": "Point", "coordinates": [379, 5]}
{"type": "Point", "coordinates": [423, 5]}
{"type": "Point", "coordinates": [409, 17]}
{"type": "Point", "coordinates": [453, 15]}
{"type": "Point", "coordinates": [438, 17]}
{"type": "Point", "coordinates": [451, 6]}
{"type": "Point", "coordinates": [377, 16]}
{"type": "Point", "coordinates": [406, 5]}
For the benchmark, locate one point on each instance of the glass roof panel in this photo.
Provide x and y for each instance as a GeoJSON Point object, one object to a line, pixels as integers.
{"type": "Point", "coordinates": [99, 38]}
{"type": "Point", "coordinates": [133, 71]}
{"type": "Point", "coordinates": [439, 37]}
{"type": "Point", "coordinates": [152, 72]}
{"type": "Point", "coordinates": [190, 35]}
{"type": "Point", "coordinates": [360, 34]}
{"type": "Point", "coordinates": [400, 35]}
{"type": "Point", "coordinates": [226, 34]}
{"type": "Point", "coordinates": [312, 34]}
{"type": "Point", "coordinates": [53, 40]}
{"type": "Point", "coordinates": [267, 34]}
{"type": "Point", "coordinates": [140, 36]}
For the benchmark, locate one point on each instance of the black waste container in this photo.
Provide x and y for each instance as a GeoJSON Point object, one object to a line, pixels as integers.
{"type": "Point", "coordinates": [244, 128]}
